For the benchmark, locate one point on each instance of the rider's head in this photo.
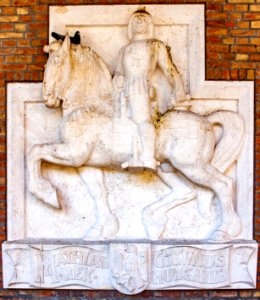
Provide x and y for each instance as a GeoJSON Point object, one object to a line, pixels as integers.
{"type": "Point", "coordinates": [141, 25]}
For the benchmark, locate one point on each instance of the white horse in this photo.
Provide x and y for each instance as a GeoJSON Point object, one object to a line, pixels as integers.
{"type": "Point", "coordinates": [78, 79]}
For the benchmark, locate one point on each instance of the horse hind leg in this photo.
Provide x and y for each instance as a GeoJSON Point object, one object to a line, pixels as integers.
{"type": "Point", "coordinates": [155, 215]}
{"type": "Point", "coordinates": [222, 186]}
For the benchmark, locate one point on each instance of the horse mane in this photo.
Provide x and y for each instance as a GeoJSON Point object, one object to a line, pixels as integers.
{"type": "Point", "coordinates": [95, 75]}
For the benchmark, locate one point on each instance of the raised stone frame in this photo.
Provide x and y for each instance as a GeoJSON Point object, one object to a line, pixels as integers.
{"type": "Point", "coordinates": [30, 246]}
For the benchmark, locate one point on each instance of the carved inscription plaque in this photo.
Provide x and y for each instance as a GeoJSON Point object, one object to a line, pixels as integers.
{"type": "Point", "coordinates": [129, 267]}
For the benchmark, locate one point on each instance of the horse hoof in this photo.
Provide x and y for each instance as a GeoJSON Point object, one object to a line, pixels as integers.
{"type": "Point", "coordinates": [52, 200]}
{"type": "Point", "coordinates": [219, 236]}
{"type": "Point", "coordinates": [235, 227]}
{"type": "Point", "coordinates": [228, 231]}
{"type": "Point", "coordinates": [103, 230]}
{"type": "Point", "coordinates": [154, 223]}
{"type": "Point", "coordinates": [47, 194]}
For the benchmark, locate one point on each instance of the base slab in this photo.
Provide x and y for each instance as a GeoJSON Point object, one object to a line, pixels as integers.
{"type": "Point", "coordinates": [130, 267]}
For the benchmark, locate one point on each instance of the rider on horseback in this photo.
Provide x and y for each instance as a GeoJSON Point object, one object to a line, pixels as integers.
{"type": "Point", "coordinates": [135, 66]}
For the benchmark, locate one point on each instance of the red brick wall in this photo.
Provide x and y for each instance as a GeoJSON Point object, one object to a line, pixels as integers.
{"type": "Point", "coordinates": [233, 53]}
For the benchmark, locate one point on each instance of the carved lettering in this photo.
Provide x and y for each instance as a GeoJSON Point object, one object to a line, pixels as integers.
{"type": "Point", "coordinates": [194, 265]}
{"type": "Point", "coordinates": [77, 264]}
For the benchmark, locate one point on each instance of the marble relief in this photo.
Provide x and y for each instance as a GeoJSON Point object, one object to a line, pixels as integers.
{"type": "Point", "coordinates": [141, 159]}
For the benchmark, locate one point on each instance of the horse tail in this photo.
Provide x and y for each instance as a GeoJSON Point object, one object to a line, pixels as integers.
{"type": "Point", "coordinates": [231, 141]}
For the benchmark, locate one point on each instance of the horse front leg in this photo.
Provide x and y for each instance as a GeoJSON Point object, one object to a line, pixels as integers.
{"type": "Point", "coordinates": [155, 215]}
{"type": "Point", "coordinates": [56, 153]}
{"type": "Point", "coordinates": [107, 224]}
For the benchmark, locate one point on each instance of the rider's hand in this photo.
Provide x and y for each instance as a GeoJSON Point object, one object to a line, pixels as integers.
{"type": "Point", "coordinates": [180, 94]}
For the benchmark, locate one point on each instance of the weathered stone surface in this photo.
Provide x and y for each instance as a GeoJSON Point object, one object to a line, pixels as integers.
{"type": "Point", "coordinates": [125, 141]}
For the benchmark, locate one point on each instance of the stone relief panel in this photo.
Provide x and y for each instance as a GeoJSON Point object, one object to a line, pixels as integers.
{"type": "Point", "coordinates": [125, 146]}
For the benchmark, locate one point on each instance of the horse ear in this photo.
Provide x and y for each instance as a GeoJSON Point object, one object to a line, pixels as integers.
{"type": "Point", "coordinates": [46, 49]}
{"type": "Point", "coordinates": [66, 43]}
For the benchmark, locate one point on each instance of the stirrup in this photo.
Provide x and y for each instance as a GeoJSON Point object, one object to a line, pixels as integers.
{"type": "Point", "coordinates": [150, 164]}
{"type": "Point", "coordinates": [133, 165]}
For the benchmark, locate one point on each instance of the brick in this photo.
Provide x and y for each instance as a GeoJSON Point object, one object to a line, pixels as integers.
{"type": "Point", "coordinates": [25, 51]}
{"type": "Point", "coordinates": [242, 65]}
{"type": "Point", "coordinates": [242, 41]}
{"type": "Point", "coordinates": [5, 51]}
{"type": "Point", "coordinates": [6, 3]}
{"type": "Point", "coordinates": [193, 294]}
{"type": "Point", "coordinates": [33, 67]}
{"type": "Point", "coordinates": [43, 35]}
{"type": "Point", "coordinates": [42, 18]}
{"type": "Point", "coordinates": [228, 41]}
{"type": "Point", "coordinates": [228, 56]}
{"type": "Point", "coordinates": [24, 43]}
{"type": "Point", "coordinates": [38, 43]}
{"type": "Point", "coordinates": [242, 56]}
{"type": "Point", "coordinates": [220, 23]}
{"type": "Point", "coordinates": [40, 9]}
{"type": "Point", "coordinates": [40, 59]}
{"type": "Point", "coordinates": [242, 74]}
{"type": "Point", "coordinates": [25, 18]}
{"type": "Point", "coordinates": [214, 6]}
{"type": "Point", "coordinates": [6, 26]}
{"type": "Point", "coordinates": [255, 57]}
{"type": "Point", "coordinates": [242, 32]}
{"type": "Point", "coordinates": [257, 73]}
{"type": "Point", "coordinates": [219, 64]}
{"type": "Point", "coordinates": [225, 294]}
{"type": "Point", "coordinates": [14, 67]}
{"type": "Point", "coordinates": [242, 7]}
{"type": "Point", "coordinates": [22, 10]}
{"type": "Point", "coordinates": [214, 39]}
{"type": "Point", "coordinates": [217, 16]}
{"type": "Point", "coordinates": [241, 1]}
{"type": "Point", "coordinates": [24, 2]}
{"type": "Point", "coordinates": [230, 24]}
{"type": "Point", "coordinates": [20, 27]}
{"type": "Point", "coordinates": [243, 24]}
{"type": "Point", "coordinates": [217, 31]}
{"type": "Point", "coordinates": [252, 16]}
{"type": "Point", "coordinates": [6, 19]}
{"type": "Point", "coordinates": [244, 48]}
{"type": "Point", "coordinates": [256, 294]}
{"type": "Point", "coordinates": [255, 8]}
{"type": "Point", "coordinates": [4, 35]}
{"type": "Point", "coordinates": [9, 43]}
{"type": "Point", "coordinates": [250, 74]}
{"type": "Point", "coordinates": [18, 59]}
{"type": "Point", "coordinates": [218, 48]}
{"type": "Point", "coordinates": [8, 10]}
{"type": "Point", "coordinates": [213, 55]}
{"type": "Point", "coordinates": [255, 41]}
{"type": "Point", "coordinates": [226, 74]}
{"type": "Point", "coordinates": [35, 26]}
{"type": "Point", "coordinates": [255, 24]}
{"type": "Point", "coordinates": [30, 35]}
{"type": "Point", "coordinates": [235, 16]}
{"type": "Point", "coordinates": [229, 7]}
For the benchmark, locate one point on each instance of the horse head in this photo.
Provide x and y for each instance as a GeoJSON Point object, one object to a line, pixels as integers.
{"type": "Point", "coordinates": [57, 71]}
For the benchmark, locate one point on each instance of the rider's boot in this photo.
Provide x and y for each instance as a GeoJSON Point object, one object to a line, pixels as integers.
{"type": "Point", "coordinates": [147, 132]}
